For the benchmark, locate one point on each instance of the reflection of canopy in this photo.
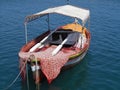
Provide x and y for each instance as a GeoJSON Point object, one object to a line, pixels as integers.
{"type": "Point", "coordinates": [67, 10]}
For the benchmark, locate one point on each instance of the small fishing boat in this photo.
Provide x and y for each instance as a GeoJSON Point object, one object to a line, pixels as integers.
{"type": "Point", "coordinates": [57, 49]}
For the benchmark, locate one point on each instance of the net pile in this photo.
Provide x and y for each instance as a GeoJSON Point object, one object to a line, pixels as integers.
{"type": "Point", "coordinates": [51, 65]}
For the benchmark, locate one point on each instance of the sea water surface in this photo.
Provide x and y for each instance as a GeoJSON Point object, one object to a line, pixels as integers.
{"type": "Point", "coordinates": [99, 70]}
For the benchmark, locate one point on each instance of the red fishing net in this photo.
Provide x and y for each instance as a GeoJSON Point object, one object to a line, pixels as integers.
{"type": "Point", "coordinates": [51, 65]}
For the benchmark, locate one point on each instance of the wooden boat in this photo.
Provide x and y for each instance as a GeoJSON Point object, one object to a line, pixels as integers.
{"type": "Point", "coordinates": [60, 48]}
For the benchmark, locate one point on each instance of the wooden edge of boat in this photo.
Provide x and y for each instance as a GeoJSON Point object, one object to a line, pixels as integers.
{"type": "Point", "coordinates": [30, 44]}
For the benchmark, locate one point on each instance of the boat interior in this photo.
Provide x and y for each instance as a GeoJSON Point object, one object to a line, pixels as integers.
{"type": "Point", "coordinates": [59, 36]}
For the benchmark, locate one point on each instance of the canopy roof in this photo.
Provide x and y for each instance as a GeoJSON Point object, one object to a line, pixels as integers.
{"type": "Point", "coordinates": [67, 10]}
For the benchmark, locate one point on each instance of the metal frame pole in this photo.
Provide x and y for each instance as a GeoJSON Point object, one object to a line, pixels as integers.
{"type": "Point", "coordinates": [26, 40]}
{"type": "Point", "coordinates": [48, 22]}
{"type": "Point", "coordinates": [26, 35]}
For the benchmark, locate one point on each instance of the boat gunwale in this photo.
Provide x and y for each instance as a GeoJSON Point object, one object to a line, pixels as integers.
{"type": "Point", "coordinates": [30, 44]}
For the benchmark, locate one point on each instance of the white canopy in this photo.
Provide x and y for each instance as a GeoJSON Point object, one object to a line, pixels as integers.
{"type": "Point", "coordinates": [67, 10]}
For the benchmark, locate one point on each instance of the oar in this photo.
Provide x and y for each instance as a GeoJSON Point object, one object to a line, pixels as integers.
{"type": "Point", "coordinates": [60, 46]}
{"type": "Point", "coordinates": [41, 42]}
{"type": "Point", "coordinates": [47, 37]}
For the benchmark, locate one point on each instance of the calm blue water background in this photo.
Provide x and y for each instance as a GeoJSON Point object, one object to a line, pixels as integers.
{"type": "Point", "coordinates": [99, 70]}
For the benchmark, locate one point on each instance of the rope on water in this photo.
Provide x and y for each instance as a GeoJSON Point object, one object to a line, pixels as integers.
{"type": "Point", "coordinates": [10, 85]}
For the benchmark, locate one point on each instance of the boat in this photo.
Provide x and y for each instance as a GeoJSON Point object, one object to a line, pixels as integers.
{"type": "Point", "coordinates": [57, 49]}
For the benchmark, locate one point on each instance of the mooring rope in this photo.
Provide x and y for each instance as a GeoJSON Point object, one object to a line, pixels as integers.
{"type": "Point", "coordinates": [10, 85]}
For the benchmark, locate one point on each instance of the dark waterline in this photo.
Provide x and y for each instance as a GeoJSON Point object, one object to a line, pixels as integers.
{"type": "Point", "coordinates": [99, 70]}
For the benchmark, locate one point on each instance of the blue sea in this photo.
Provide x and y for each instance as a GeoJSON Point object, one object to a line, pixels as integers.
{"type": "Point", "coordinates": [99, 70]}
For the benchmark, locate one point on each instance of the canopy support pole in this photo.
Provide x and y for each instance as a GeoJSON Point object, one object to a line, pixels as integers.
{"type": "Point", "coordinates": [76, 21]}
{"type": "Point", "coordinates": [83, 23]}
{"type": "Point", "coordinates": [82, 37]}
{"type": "Point", "coordinates": [26, 40]}
{"type": "Point", "coordinates": [48, 22]}
{"type": "Point", "coordinates": [26, 36]}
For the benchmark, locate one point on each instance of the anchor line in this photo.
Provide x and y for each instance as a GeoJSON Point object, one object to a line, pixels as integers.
{"type": "Point", "coordinates": [10, 85]}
